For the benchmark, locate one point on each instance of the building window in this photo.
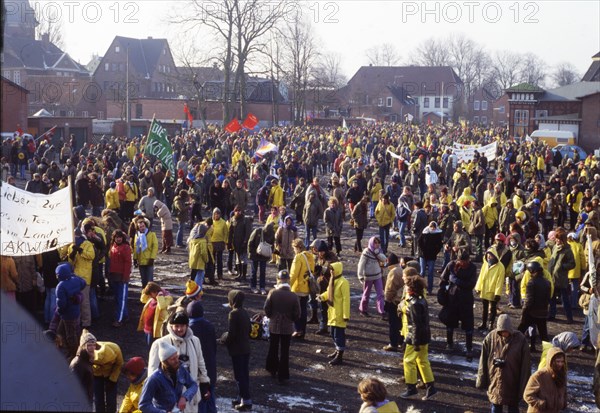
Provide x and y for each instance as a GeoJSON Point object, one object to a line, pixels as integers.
{"type": "Point", "coordinates": [138, 111]}
{"type": "Point", "coordinates": [501, 109]}
{"type": "Point", "coordinates": [380, 102]}
{"type": "Point", "coordinates": [114, 67]}
{"type": "Point", "coordinates": [164, 51]}
{"type": "Point", "coordinates": [393, 118]}
{"type": "Point", "coordinates": [388, 102]}
{"type": "Point", "coordinates": [484, 105]}
{"type": "Point", "coordinates": [521, 122]}
{"type": "Point", "coordinates": [85, 113]}
{"type": "Point", "coordinates": [17, 75]}
{"type": "Point", "coordinates": [541, 113]}
{"type": "Point", "coordinates": [484, 120]}
{"type": "Point", "coordinates": [7, 74]}
{"type": "Point", "coordinates": [437, 102]}
{"type": "Point", "coordinates": [426, 102]}
{"type": "Point", "coordinates": [446, 102]}
{"type": "Point", "coordinates": [106, 67]}
{"type": "Point", "coordinates": [117, 49]}
{"type": "Point", "coordinates": [100, 114]}
{"type": "Point", "coordinates": [476, 119]}
{"type": "Point", "coordinates": [71, 113]}
{"type": "Point", "coordinates": [476, 105]}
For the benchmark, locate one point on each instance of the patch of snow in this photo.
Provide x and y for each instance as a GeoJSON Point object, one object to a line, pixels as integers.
{"type": "Point", "coordinates": [454, 360]}
{"type": "Point", "coordinates": [305, 402]}
{"type": "Point", "coordinates": [411, 409]}
{"type": "Point", "coordinates": [316, 367]}
{"type": "Point", "coordinates": [387, 380]}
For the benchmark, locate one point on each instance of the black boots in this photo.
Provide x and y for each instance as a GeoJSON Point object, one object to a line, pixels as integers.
{"type": "Point", "coordinates": [314, 319]}
{"type": "Point", "coordinates": [411, 390]}
{"type": "Point", "coordinates": [338, 359]}
{"type": "Point", "coordinates": [242, 270]}
{"type": "Point", "coordinates": [430, 392]}
{"type": "Point", "coordinates": [469, 355]}
{"type": "Point", "coordinates": [449, 339]}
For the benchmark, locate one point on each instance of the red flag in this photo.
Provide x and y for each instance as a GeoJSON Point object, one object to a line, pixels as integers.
{"type": "Point", "coordinates": [19, 130]}
{"type": "Point", "coordinates": [190, 118]}
{"type": "Point", "coordinates": [250, 122]}
{"type": "Point", "coordinates": [233, 126]}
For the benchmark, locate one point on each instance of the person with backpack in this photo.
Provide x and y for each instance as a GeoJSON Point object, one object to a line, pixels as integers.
{"type": "Point", "coordinates": [403, 217]}
{"type": "Point", "coordinates": [262, 201]}
{"type": "Point", "coordinates": [260, 236]}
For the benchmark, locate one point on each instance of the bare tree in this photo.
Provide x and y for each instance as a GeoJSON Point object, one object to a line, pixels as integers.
{"type": "Point", "coordinates": [506, 69]}
{"type": "Point", "coordinates": [565, 74]}
{"type": "Point", "coordinates": [49, 24]}
{"type": "Point", "coordinates": [384, 54]}
{"type": "Point", "coordinates": [431, 52]}
{"type": "Point", "coordinates": [328, 71]}
{"type": "Point", "coordinates": [298, 40]}
{"type": "Point", "coordinates": [533, 69]}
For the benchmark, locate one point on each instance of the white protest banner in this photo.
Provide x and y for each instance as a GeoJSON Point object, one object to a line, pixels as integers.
{"type": "Point", "coordinates": [464, 146]}
{"type": "Point", "coordinates": [34, 223]}
{"type": "Point", "coordinates": [393, 155]}
{"type": "Point", "coordinates": [467, 154]}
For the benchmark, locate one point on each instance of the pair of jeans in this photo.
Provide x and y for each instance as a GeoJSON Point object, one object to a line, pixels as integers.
{"type": "Point", "coordinates": [402, 229]}
{"type": "Point", "coordinates": [338, 334]}
{"type": "Point", "coordinates": [210, 405]}
{"type": "Point", "coordinates": [364, 301]}
{"type": "Point", "coordinates": [565, 295]}
{"type": "Point", "coordinates": [94, 309]}
{"type": "Point", "coordinates": [395, 324]}
{"type": "Point", "coordinates": [219, 263]}
{"type": "Point", "coordinates": [256, 267]}
{"type": "Point", "coordinates": [497, 408]}
{"type": "Point", "coordinates": [300, 324]}
{"type": "Point", "coordinates": [105, 395]}
{"type": "Point", "coordinates": [179, 236]}
{"type": "Point", "coordinates": [384, 237]}
{"type": "Point", "coordinates": [278, 357]}
{"type": "Point", "coordinates": [121, 291]}
{"type": "Point", "coordinates": [514, 292]}
{"type": "Point", "coordinates": [427, 268]}
{"type": "Point", "coordinates": [146, 274]}
{"type": "Point", "coordinates": [241, 373]}
{"type": "Point", "coordinates": [198, 277]}
{"type": "Point", "coordinates": [574, 283]}
{"type": "Point", "coordinates": [49, 304]}
{"type": "Point", "coordinates": [310, 229]}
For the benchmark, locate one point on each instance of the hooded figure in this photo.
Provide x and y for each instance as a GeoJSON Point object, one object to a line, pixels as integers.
{"type": "Point", "coordinates": [489, 286]}
{"type": "Point", "coordinates": [546, 390]}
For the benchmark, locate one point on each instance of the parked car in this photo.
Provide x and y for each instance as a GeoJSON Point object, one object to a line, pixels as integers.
{"type": "Point", "coordinates": [568, 151]}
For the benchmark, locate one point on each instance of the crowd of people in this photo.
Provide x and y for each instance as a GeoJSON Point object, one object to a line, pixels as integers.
{"type": "Point", "coordinates": [523, 225]}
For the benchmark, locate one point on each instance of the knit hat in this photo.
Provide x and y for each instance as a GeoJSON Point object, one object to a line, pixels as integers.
{"type": "Point", "coordinates": [64, 271]}
{"type": "Point", "coordinates": [87, 337]}
{"type": "Point", "coordinates": [195, 309]}
{"type": "Point", "coordinates": [135, 366]}
{"type": "Point", "coordinates": [180, 318]}
{"type": "Point", "coordinates": [192, 289]}
{"type": "Point", "coordinates": [165, 350]}
{"type": "Point", "coordinates": [504, 323]}
{"type": "Point", "coordinates": [283, 275]}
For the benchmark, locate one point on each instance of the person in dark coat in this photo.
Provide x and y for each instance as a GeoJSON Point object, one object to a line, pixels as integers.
{"type": "Point", "coordinates": [205, 331]}
{"type": "Point", "coordinates": [361, 221]}
{"type": "Point", "coordinates": [430, 244]}
{"type": "Point", "coordinates": [239, 233]}
{"type": "Point", "coordinates": [458, 280]}
{"type": "Point", "coordinates": [537, 300]}
{"type": "Point", "coordinates": [259, 262]}
{"type": "Point", "coordinates": [82, 367]}
{"type": "Point", "coordinates": [283, 308]}
{"type": "Point", "coordinates": [237, 340]}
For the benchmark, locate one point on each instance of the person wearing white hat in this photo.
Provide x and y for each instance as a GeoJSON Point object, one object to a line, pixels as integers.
{"type": "Point", "coordinates": [164, 389]}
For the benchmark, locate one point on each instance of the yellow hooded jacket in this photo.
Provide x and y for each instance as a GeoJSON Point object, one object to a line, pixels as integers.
{"type": "Point", "coordinates": [491, 279]}
{"type": "Point", "coordinates": [108, 361]}
{"type": "Point", "coordinates": [338, 314]}
{"type": "Point", "coordinates": [299, 273]}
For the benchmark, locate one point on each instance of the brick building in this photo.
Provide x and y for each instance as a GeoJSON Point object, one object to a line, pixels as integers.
{"type": "Point", "coordinates": [391, 93]}
{"type": "Point", "coordinates": [14, 106]}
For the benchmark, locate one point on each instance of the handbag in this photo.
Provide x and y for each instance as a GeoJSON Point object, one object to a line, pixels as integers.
{"type": "Point", "coordinates": [264, 248]}
{"type": "Point", "coordinates": [313, 285]}
{"type": "Point", "coordinates": [443, 294]}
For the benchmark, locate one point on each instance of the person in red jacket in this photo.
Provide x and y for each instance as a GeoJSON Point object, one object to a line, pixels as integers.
{"type": "Point", "coordinates": [119, 274]}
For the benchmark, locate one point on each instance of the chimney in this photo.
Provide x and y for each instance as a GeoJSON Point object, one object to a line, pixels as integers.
{"type": "Point", "coordinates": [149, 37]}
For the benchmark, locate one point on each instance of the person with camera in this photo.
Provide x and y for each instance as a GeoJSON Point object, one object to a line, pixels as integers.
{"type": "Point", "coordinates": [504, 366]}
{"type": "Point", "coordinates": [189, 349]}
{"type": "Point", "coordinates": [537, 300]}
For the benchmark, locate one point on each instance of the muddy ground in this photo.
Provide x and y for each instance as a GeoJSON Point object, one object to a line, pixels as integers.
{"type": "Point", "coordinates": [317, 387]}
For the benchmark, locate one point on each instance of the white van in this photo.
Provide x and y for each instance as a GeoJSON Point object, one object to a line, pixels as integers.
{"type": "Point", "coordinates": [555, 137]}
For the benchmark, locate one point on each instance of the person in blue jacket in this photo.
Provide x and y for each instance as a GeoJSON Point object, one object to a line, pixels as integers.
{"type": "Point", "coordinates": [68, 306]}
{"type": "Point", "coordinates": [164, 389]}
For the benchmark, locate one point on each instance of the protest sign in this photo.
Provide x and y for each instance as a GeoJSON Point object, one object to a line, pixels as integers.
{"type": "Point", "coordinates": [34, 223]}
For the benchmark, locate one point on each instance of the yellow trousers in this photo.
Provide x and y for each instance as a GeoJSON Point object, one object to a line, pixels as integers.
{"type": "Point", "coordinates": [414, 359]}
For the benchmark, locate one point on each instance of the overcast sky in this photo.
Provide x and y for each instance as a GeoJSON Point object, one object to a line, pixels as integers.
{"type": "Point", "coordinates": [557, 31]}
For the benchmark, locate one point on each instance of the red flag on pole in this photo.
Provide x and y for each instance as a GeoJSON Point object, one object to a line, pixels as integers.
{"type": "Point", "coordinates": [190, 118]}
{"type": "Point", "coordinates": [250, 122]}
{"type": "Point", "coordinates": [233, 126]}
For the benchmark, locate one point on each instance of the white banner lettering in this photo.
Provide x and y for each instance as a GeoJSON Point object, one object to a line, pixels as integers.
{"type": "Point", "coordinates": [34, 223]}
{"type": "Point", "coordinates": [467, 154]}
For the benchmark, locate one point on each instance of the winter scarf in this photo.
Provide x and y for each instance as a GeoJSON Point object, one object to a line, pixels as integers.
{"type": "Point", "coordinates": [141, 243]}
